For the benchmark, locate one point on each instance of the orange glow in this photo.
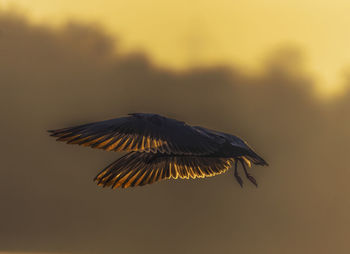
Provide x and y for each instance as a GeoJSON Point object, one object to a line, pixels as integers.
{"type": "Point", "coordinates": [181, 34]}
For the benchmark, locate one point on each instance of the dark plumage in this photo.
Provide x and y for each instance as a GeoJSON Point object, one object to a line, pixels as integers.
{"type": "Point", "coordinates": [160, 148]}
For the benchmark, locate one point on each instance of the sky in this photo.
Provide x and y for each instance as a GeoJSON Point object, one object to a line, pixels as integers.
{"type": "Point", "coordinates": [58, 77]}
{"type": "Point", "coordinates": [182, 34]}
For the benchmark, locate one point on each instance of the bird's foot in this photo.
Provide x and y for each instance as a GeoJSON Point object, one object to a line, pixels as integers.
{"type": "Point", "coordinates": [238, 178]}
{"type": "Point", "coordinates": [249, 176]}
{"type": "Point", "coordinates": [252, 180]}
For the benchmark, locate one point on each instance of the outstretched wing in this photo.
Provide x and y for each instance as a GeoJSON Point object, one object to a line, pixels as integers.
{"type": "Point", "coordinates": [140, 132]}
{"type": "Point", "coordinates": [136, 168]}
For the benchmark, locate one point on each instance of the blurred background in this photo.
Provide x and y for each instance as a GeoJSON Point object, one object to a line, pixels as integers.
{"type": "Point", "coordinates": [272, 72]}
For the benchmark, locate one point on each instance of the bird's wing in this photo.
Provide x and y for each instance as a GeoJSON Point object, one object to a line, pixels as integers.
{"type": "Point", "coordinates": [140, 132]}
{"type": "Point", "coordinates": [136, 169]}
{"type": "Point", "coordinates": [233, 140]}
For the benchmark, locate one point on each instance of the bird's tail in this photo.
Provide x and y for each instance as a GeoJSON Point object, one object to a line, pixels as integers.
{"type": "Point", "coordinates": [256, 159]}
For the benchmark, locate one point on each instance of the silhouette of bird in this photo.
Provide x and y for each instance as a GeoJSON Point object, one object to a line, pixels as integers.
{"type": "Point", "coordinates": [161, 148]}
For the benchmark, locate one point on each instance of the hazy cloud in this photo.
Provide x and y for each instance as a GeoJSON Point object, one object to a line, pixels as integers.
{"type": "Point", "coordinates": [52, 78]}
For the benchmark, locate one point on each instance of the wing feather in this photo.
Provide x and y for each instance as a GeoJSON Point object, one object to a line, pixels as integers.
{"type": "Point", "coordinates": [139, 168]}
{"type": "Point", "coordinates": [140, 132]}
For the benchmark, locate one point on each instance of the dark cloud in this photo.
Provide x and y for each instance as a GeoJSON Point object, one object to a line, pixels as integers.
{"type": "Point", "coordinates": [52, 78]}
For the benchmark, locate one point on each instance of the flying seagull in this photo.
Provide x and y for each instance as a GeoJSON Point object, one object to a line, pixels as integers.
{"type": "Point", "coordinates": [161, 148]}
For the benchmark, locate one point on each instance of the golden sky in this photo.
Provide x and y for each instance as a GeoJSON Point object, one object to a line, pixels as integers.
{"type": "Point", "coordinates": [53, 80]}
{"type": "Point", "coordinates": [182, 33]}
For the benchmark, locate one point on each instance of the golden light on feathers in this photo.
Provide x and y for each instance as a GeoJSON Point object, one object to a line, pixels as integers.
{"type": "Point", "coordinates": [160, 148]}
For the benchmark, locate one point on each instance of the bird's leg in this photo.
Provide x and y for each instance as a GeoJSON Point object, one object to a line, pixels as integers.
{"type": "Point", "coordinates": [251, 178]}
{"type": "Point", "coordinates": [238, 178]}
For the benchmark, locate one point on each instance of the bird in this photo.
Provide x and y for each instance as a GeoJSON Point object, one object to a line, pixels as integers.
{"type": "Point", "coordinates": [159, 147]}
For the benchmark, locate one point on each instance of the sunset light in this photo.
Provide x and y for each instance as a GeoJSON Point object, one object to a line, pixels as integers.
{"type": "Point", "coordinates": [181, 34]}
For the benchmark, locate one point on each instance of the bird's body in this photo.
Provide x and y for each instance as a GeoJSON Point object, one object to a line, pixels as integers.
{"type": "Point", "coordinates": [160, 148]}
